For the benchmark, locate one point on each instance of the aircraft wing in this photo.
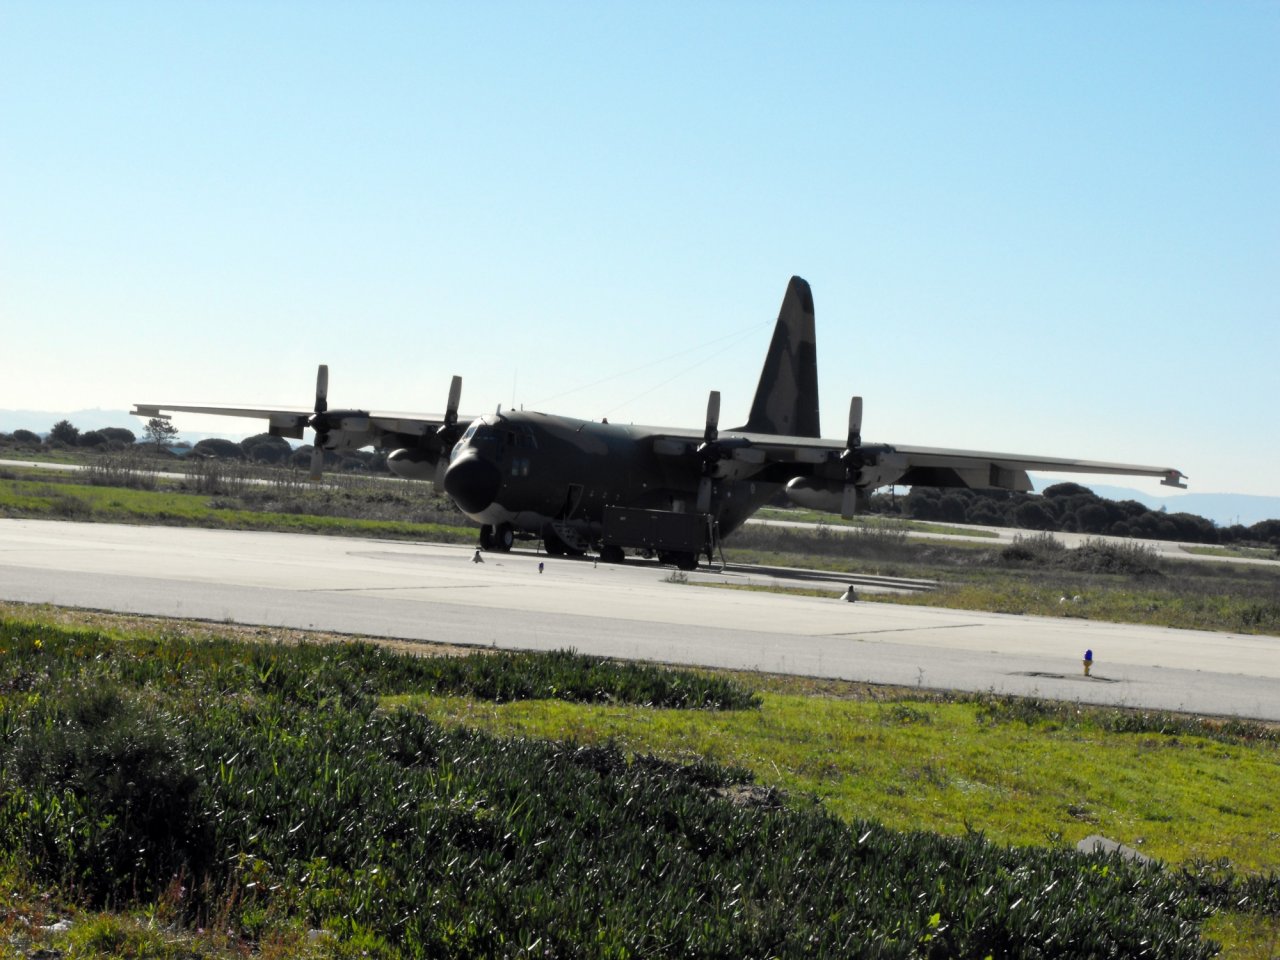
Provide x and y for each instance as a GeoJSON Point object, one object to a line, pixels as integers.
{"type": "Point", "coordinates": [283, 421]}
{"type": "Point", "coordinates": [836, 475]}
{"type": "Point", "coordinates": [997, 467]}
{"type": "Point", "coordinates": [882, 464]}
{"type": "Point", "coordinates": [291, 421]}
{"type": "Point", "coordinates": [419, 443]}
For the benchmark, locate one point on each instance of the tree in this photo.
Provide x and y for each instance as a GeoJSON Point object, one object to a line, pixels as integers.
{"type": "Point", "coordinates": [26, 438]}
{"type": "Point", "coordinates": [64, 432]}
{"type": "Point", "coordinates": [264, 448]}
{"type": "Point", "coordinates": [1032, 515]}
{"type": "Point", "coordinates": [126, 437]}
{"type": "Point", "coordinates": [160, 432]}
{"type": "Point", "coordinates": [1067, 490]}
{"type": "Point", "coordinates": [92, 438]}
{"type": "Point", "coordinates": [951, 506]}
{"type": "Point", "coordinates": [1092, 518]}
{"type": "Point", "coordinates": [218, 448]}
{"type": "Point", "coordinates": [1267, 531]}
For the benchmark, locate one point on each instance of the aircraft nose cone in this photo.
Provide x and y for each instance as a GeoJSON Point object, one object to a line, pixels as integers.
{"type": "Point", "coordinates": [472, 482]}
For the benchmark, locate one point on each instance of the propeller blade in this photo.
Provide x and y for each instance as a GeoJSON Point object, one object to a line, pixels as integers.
{"type": "Point", "coordinates": [455, 394]}
{"type": "Point", "coordinates": [855, 423]}
{"type": "Point", "coordinates": [713, 417]}
{"type": "Point", "coordinates": [704, 495]}
{"type": "Point", "coordinates": [849, 501]}
{"type": "Point", "coordinates": [319, 423]}
{"type": "Point", "coordinates": [322, 388]}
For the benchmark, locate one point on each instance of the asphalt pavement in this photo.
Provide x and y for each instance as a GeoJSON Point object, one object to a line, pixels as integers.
{"type": "Point", "coordinates": [433, 592]}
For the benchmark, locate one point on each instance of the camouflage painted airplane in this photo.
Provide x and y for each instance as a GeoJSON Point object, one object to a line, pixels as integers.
{"type": "Point", "coordinates": [582, 485]}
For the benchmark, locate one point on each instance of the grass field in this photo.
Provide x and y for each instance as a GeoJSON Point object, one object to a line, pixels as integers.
{"type": "Point", "coordinates": [957, 795]}
{"type": "Point", "coordinates": [233, 500]}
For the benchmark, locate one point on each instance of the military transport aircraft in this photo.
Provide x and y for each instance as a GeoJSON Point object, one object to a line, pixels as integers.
{"type": "Point", "coordinates": [582, 485]}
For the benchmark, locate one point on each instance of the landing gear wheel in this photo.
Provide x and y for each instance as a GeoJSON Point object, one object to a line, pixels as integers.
{"type": "Point", "coordinates": [612, 554]}
{"type": "Point", "coordinates": [680, 559]}
{"type": "Point", "coordinates": [555, 545]}
{"type": "Point", "coordinates": [486, 536]}
{"type": "Point", "coordinates": [504, 535]}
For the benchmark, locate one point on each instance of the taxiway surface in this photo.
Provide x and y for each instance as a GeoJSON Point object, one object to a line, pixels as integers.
{"type": "Point", "coordinates": [431, 592]}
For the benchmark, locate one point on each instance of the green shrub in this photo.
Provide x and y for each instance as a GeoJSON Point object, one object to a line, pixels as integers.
{"type": "Point", "coordinates": [269, 783]}
{"type": "Point", "coordinates": [105, 797]}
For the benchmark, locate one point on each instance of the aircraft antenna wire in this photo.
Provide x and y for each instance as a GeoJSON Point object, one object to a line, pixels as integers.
{"type": "Point", "coordinates": [735, 337]}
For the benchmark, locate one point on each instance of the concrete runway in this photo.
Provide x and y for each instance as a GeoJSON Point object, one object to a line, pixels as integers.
{"type": "Point", "coordinates": [419, 591]}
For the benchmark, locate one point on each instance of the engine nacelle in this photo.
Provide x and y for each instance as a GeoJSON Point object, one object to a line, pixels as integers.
{"type": "Point", "coordinates": [824, 495]}
{"type": "Point", "coordinates": [411, 464]}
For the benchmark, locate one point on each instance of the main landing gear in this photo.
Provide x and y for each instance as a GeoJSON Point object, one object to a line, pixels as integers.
{"type": "Point", "coordinates": [680, 559]}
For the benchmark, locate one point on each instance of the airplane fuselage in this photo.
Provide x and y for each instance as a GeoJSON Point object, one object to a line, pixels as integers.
{"type": "Point", "coordinates": [531, 470]}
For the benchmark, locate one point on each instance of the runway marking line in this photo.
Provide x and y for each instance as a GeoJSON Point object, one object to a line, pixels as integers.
{"type": "Point", "coordinates": [866, 633]}
{"type": "Point", "coordinates": [414, 586]}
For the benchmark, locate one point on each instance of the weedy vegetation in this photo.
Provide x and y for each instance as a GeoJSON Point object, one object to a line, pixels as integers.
{"type": "Point", "coordinates": [1113, 580]}
{"type": "Point", "coordinates": [871, 522]}
{"type": "Point", "coordinates": [316, 799]}
{"type": "Point", "coordinates": [128, 488]}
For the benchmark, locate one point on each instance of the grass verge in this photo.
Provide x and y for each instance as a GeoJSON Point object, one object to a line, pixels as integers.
{"type": "Point", "coordinates": [248, 509]}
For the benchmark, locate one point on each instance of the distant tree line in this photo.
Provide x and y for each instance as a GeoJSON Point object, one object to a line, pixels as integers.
{"type": "Point", "coordinates": [266, 449]}
{"type": "Point", "coordinates": [1070, 508]}
{"type": "Point", "coordinates": [160, 435]}
{"type": "Point", "coordinates": [66, 434]}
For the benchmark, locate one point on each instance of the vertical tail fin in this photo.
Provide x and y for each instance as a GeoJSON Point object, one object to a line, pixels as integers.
{"type": "Point", "coordinates": [786, 399]}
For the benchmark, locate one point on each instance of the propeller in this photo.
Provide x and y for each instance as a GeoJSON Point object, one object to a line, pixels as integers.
{"type": "Point", "coordinates": [852, 460]}
{"type": "Point", "coordinates": [319, 422]}
{"type": "Point", "coordinates": [447, 431]}
{"type": "Point", "coordinates": [710, 452]}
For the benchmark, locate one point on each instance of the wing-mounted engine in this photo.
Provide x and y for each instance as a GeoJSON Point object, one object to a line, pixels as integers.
{"type": "Point", "coordinates": [428, 458]}
{"type": "Point", "coordinates": [867, 467]}
{"type": "Point", "coordinates": [335, 430]}
{"type": "Point", "coordinates": [421, 451]}
{"type": "Point", "coordinates": [862, 468]}
{"type": "Point", "coordinates": [716, 456]}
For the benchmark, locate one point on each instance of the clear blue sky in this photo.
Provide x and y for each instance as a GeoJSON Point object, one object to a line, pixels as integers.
{"type": "Point", "coordinates": [1047, 228]}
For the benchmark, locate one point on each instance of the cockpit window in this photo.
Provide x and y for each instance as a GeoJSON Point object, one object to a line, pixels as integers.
{"type": "Point", "coordinates": [465, 438]}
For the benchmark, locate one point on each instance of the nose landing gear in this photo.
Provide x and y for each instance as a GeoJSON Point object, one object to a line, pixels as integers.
{"type": "Point", "coordinates": [498, 538]}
